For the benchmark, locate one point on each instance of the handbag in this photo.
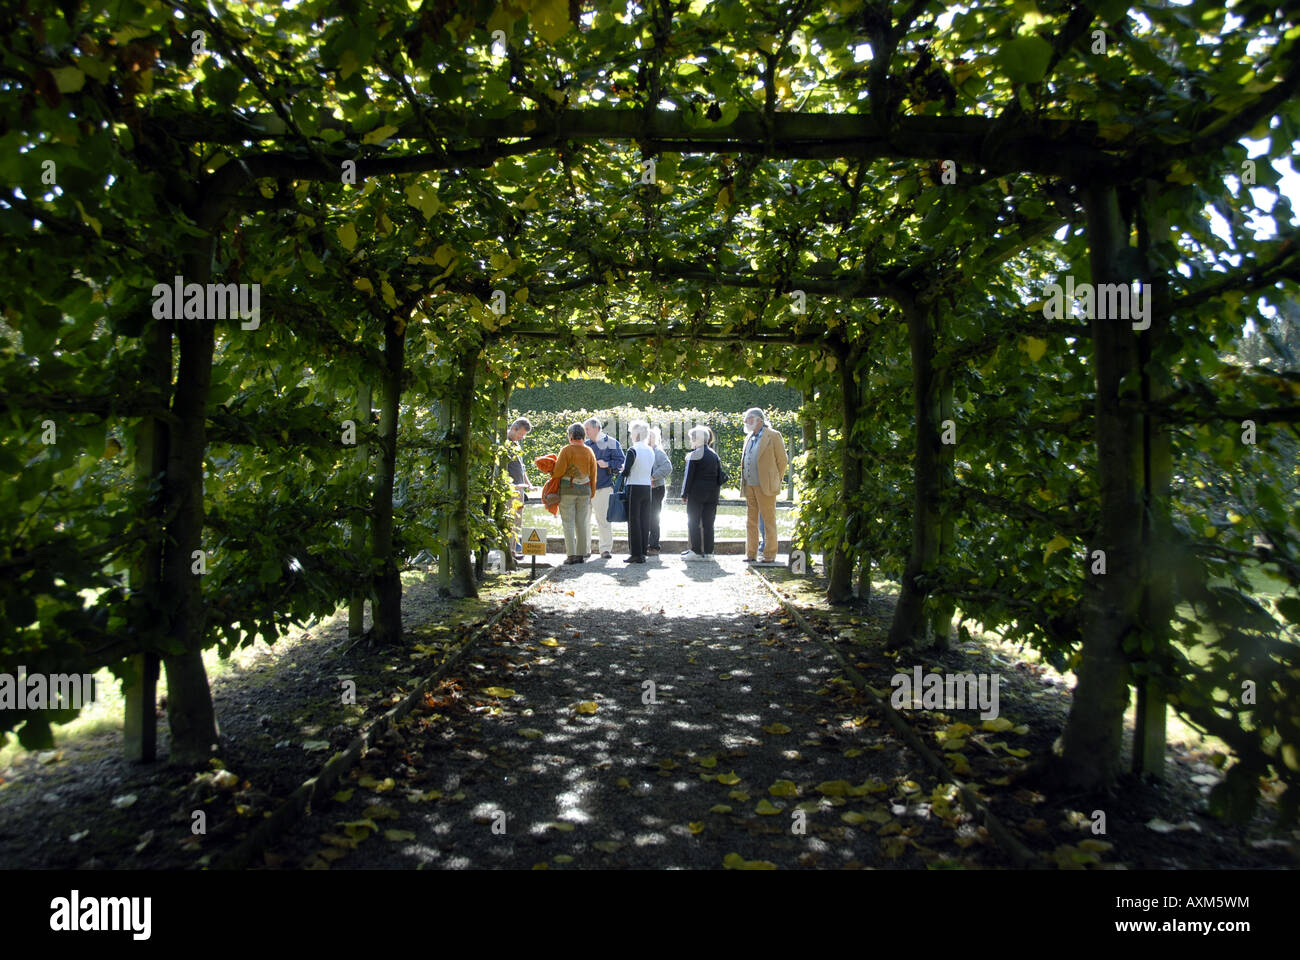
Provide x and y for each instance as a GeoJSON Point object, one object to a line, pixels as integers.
{"type": "Point", "coordinates": [617, 511]}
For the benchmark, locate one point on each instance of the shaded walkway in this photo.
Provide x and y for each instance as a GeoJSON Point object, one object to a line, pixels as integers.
{"type": "Point", "coordinates": [563, 763]}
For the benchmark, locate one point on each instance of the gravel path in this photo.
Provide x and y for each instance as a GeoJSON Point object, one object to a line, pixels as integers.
{"type": "Point", "coordinates": [568, 766]}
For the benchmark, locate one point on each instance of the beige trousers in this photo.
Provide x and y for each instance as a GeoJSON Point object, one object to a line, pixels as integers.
{"type": "Point", "coordinates": [600, 507]}
{"type": "Point", "coordinates": [755, 503]}
{"type": "Point", "coordinates": [574, 509]}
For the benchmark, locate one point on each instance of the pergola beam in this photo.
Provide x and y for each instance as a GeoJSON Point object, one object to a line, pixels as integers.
{"type": "Point", "coordinates": [1059, 147]}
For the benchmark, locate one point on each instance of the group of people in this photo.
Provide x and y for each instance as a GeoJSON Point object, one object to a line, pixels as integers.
{"type": "Point", "coordinates": [584, 471]}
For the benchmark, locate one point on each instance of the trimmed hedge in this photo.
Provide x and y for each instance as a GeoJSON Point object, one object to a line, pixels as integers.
{"type": "Point", "coordinates": [549, 434]}
{"type": "Point", "coordinates": [558, 396]}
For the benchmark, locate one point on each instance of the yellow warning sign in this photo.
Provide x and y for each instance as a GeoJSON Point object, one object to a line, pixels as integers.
{"type": "Point", "coordinates": [534, 542]}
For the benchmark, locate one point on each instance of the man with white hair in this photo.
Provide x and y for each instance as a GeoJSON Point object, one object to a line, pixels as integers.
{"type": "Point", "coordinates": [609, 462]}
{"type": "Point", "coordinates": [763, 464]}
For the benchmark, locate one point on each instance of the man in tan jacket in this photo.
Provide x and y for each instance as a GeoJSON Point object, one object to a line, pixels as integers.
{"type": "Point", "coordinates": [762, 468]}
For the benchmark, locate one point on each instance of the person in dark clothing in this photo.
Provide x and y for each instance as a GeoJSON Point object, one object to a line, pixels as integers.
{"type": "Point", "coordinates": [519, 478]}
{"type": "Point", "coordinates": [704, 477]}
{"type": "Point", "coordinates": [663, 469]}
{"type": "Point", "coordinates": [636, 480]}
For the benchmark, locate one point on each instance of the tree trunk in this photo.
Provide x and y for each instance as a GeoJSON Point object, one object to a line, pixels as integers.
{"type": "Point", "coordinates": [140, 723]}
{"type": "Point", "coordinates": [441, 471]}
{"type": "Point", "coordinates": [840, 587]}
{"type": "Point", "coordinates": [491, 508]}
{"type": "Point", "coordinates": [388, 582]}
{"type": "Point", "coordinates": [1157, 528]}
{"type": "Point", "coordinates": [190, 714]}
{"type": "Point", "coordinates": [940, 608]}
{"type": "Point", "coordinates": [459, 580]}
{"type": "Point", "coordinates": [864, 578]}
{"type": "Point", "coordinates": [357, 535]}
{"type": "Point", "coordinates": [808, 423]}
{"type": "Point", "coordinates": [911, 627]}
{"type": "Point", "coordinates": [505, 511]}
{"type": "Point", "coordinates": [1093, 737]}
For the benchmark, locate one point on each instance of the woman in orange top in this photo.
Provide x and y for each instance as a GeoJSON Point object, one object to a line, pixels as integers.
{"type": "Point", "coordinates": [575, 468]}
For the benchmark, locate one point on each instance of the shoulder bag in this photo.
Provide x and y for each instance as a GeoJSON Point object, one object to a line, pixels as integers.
{"type": "Point", "coordinates": [617, 512]}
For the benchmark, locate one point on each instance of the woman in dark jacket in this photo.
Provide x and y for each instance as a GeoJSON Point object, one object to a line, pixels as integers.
{"type": "Point", "coordinates": [704, 477]}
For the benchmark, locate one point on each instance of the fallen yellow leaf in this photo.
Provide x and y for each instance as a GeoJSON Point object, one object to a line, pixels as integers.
{"type": "Point", "coordinates": [893, 847]}
{"type": "Point", "coordinates": [783, 788]}
{"type": "Point", "coordinates": [958, 763]}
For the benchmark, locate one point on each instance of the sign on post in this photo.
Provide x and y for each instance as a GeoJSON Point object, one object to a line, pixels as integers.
{"type": "Point", "coordinates": [535, 546]}
{"type": "Point", "coordinates": [534, 542]}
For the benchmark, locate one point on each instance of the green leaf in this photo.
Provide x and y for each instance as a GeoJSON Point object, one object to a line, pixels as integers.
{"type": "Point", "coordinates": [269, 572]}
{"type": "Point", "coordinates": [69, 79]}
{"type": "Point", "coordinates": [550, 18]}
{"type": "Point", "coordinates": [378, 134]}
{"type": "Point", "coordinates": [1025, 59]}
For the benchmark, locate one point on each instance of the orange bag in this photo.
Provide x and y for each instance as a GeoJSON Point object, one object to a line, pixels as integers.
{"type": "Point", "coordinates": [550, 492]}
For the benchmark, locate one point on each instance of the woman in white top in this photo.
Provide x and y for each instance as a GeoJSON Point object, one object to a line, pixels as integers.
{"type": "Point", "coordinates": [636, 480]}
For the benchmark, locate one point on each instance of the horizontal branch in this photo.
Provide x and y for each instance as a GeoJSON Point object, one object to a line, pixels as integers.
{"type": "Point", "coordinates": [1056, 146]}
{"type": "Point", "coordinates": [1171, 413]}
{"type": "Point", "coordinates": [1283, 265]}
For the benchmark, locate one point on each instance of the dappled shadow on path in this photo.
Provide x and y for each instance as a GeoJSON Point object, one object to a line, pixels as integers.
{"type": "Point", "coordinates": [655, 715]}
